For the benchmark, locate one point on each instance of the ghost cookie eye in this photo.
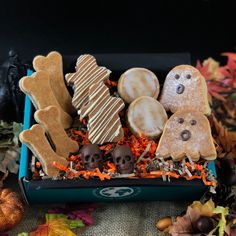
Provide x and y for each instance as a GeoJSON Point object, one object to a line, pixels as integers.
{"type": "Point", "coordinates": [177, 76]}
{"type": "Point", "coordinates": [180, 120]}
{"type": "Point", "coordinates": [86, 158]}
{"type": "Point", "coordinates": [193, 122]}
{"type": "Point", "coordinates": [188, 76]}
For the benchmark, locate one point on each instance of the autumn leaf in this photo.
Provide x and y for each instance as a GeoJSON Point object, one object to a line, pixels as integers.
{"type": "Point", "coordinates": [222, 222]}
{"type": "Point", "coordinates": [205, 209]}
{"type": "Point", "coordinates": [204, 70]}
{"type": "Point", "coordinates": [53, 227]}
{"type": "Point", "coordinates": [225, 138]}
{"type": "Point", "coordinates": [183, 225]}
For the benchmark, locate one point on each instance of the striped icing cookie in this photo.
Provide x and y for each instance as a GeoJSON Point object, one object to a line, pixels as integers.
{"type": "Point", "coordinates": [102, 110]}
{"type": "Point", "coordinates": [87, 73]}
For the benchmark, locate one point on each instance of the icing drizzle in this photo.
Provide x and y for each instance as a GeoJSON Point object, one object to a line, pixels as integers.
{"type": "Point", "coordinates": [87, 73]}
{"type": "Point", "coordinates": [102, 109]}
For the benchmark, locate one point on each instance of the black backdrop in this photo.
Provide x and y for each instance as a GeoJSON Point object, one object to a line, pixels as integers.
{"type": "Point", "coordinates": [202, 27]}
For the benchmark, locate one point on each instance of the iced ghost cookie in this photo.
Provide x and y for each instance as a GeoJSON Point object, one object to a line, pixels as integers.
{"type": "Point", "coordinates": [137, 82]}
{"type": "Point", "coordinates": [185, 88]}
{"type": "Point", "coordinates": [146, 117]}
{"type": "Point", "coordinates": [187, 133]}
{"type": "Point", "coordinates": [52, 64]}
{"type": "Point", "coordinates": [103, 115]}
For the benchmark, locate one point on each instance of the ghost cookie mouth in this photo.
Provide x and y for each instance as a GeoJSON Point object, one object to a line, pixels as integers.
{"type": "Point", "coordinates": [180, 89]}
{"type": "Point", "coordinates": [185, 135]}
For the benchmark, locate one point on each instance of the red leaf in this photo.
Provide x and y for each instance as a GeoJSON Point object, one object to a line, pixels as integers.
{"type": "Point", "coordinates": [204, 70]}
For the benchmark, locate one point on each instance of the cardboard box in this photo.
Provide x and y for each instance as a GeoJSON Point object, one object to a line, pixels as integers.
{"type": "Point", "coordinates": [51, 191]}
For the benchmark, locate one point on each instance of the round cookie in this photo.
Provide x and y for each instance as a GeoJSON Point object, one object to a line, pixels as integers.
{"type": "Point", "coordinates": [137, 82]}
{"type": "Point", "coordinates": [146, 117]}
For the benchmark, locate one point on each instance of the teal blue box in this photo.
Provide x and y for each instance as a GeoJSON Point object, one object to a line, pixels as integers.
{"type": "Point", "coordinates": [61, 191]}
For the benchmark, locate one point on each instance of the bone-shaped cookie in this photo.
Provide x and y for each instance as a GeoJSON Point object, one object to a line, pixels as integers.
{"type": "Point", "coordinates": [52, 64]}
{"type": "Point", "coordinates": [38, 88]}
{"type": "Point", "coordinates": [49, 118]}
{"type": "Point", "coordinates": [35, 139]}
{"type": "Point", "coordinates": [87, 73]}
{"type": "Point", "coordinates": [187, 134]}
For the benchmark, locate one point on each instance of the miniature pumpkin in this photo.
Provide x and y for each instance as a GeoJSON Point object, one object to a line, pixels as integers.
{"type": "Point", "coordinates": [11, 209]}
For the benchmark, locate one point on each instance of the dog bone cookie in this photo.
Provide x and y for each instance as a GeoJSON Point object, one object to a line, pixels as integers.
{"type": "Point", "coordinates": [104, 122]}
{"type": "Point", "coordinates": [38, 88]}
{"type": "Point", "coordinates": [87, 73]}
{"type": "Point", "coordinates": [49, 118]}
{"type": "Point", "coordinates": [52, 64]}
{"type": "Point", "coordinates": [187, 134]}
{"type": "Point", "coordinates": [146, 117]}
{"type": "Point", "coordinates": [185, 88]}
{"type": "Point", "coordinates": [137, 82]}
{"type": "Point", "coordinates": [35, 139]}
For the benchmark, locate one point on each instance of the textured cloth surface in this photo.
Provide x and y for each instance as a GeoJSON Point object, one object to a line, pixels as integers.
{"type": "Point", "coordinates": [110, 219]}
{"type": "Point", "coordinates": [113, 219]}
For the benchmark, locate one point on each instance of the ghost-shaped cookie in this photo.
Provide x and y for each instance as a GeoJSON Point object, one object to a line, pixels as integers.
{"type": "Point", "coordinates": [185, 88]}
{"type": "Point", "coordinates": [187, 133]}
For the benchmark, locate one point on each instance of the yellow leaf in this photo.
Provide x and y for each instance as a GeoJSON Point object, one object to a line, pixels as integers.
{"type": "Point", "coordinates": [205, 209]}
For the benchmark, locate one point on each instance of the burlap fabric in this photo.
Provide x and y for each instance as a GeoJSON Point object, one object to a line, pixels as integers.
{"type": "Point", "coordinates": [110, 219]}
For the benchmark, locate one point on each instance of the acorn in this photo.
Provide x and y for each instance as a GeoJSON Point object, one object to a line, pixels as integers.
{"type": "Point", "coordinates": [163, 223]}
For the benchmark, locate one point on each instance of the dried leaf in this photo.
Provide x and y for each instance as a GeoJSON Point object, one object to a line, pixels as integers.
{"type": "Point", "coordinates": [53, 227]}
{"type": "Point", "coordinates": [8, 161]}
{"type": "Point", "coordinates": [226, 138]}
{"type": "Point", "coordinates": [204, 70]}
{"type": "Point", "coordinates": [205, 209]}
{"type": "Point", "coordinates": [183, 225]}
{"type": "Point", "coordinates": [222, 222]}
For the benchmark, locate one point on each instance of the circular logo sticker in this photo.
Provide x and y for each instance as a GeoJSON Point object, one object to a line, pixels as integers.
{"type": "Point", "coordinates": [116, 192]}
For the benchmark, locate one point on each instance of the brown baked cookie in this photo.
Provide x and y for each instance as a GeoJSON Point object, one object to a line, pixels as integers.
{"type": "Point", "coordinates": [187, 134]}
{"type": "Point", "coordinates": [49, 118]}
{"type": "Point", "coordinates": [52, 64]}
{"type": "Point", "coordinates": [146, 117]}
{"type": "Point", "coordinates": [87, 73]}
{"type": "Point", "coordinates": [38, 88]}
{"type": "Point", "coordinates": [185, 88]}
{"type": "Point", "coordinates": [137, 82]}
{"type": "Point", "coordinates": [102, 110]}
{"type": "Point", "coordinates": [35, 139]}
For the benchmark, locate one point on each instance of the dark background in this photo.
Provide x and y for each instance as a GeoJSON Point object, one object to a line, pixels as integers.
{"type": "Point", "coordinates": [202, 27]}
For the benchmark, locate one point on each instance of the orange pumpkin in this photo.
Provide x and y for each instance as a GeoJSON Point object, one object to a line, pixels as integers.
{"type": "Point", "coordinates": [11, 209]}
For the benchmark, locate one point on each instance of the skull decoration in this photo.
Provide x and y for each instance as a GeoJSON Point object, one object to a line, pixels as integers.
{"type": "Point", "coordinates": [91, 157]}
{"type": "Point", "coordinates": [123, 159]}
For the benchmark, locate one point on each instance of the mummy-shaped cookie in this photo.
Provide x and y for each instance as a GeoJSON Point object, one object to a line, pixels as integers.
{"type": "Point", "coordinates": [52, 64]}
{"type": "Point", "coordinates": [36, 141]}
{"type": "Point", "coordinates": [87, 73]}
{"type": "Point", "coordinates": [187, 134]}
{"type": "Point", "coordinates": [102, 110]}
{"type": "Point", "coordinates": [185, 88]}
{"type": "Point", "coordinates": [49, 118]}
{"type": "Point", "coordinates": [38, 88]}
